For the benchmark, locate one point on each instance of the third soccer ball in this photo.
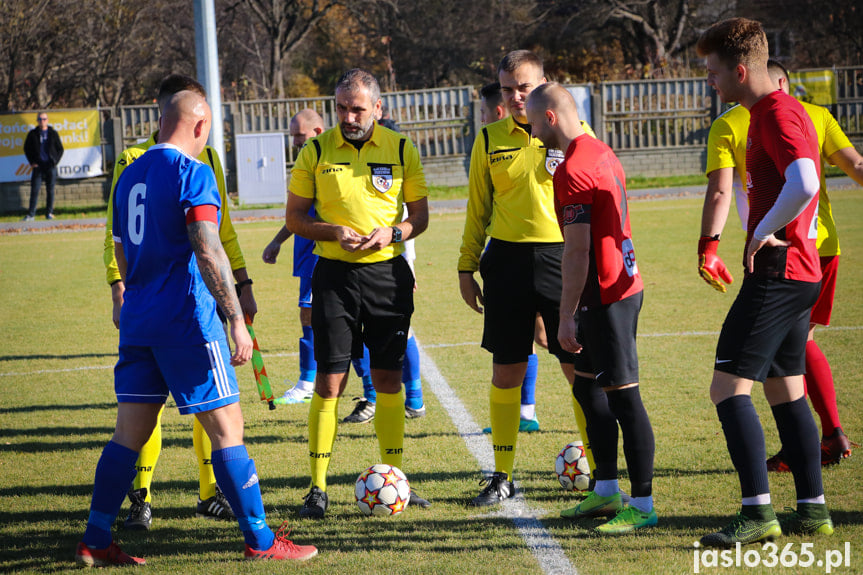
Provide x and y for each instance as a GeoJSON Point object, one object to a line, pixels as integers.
{"type": "Point", "coordinates": [382, 490]}
{"type": "Point", "coordinates": [571, 467]}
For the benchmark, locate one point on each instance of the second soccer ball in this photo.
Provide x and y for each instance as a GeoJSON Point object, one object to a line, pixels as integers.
{"type": "Point", "coordinates": [572, 468]}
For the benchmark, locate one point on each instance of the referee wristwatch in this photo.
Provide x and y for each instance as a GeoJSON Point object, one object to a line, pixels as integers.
{"type": "Point", "coordinates": [397, 234]}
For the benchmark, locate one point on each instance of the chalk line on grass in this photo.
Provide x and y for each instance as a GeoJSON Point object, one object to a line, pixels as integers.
{"type": "Point", "coordinates": [545, 549]}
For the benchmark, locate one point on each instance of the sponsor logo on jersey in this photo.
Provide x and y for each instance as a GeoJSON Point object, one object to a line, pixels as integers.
{"type": "Point", "coordinates": [573, 214]}
{"type": "Point", "coordinates": [382, 178]}
{"type": "Point", "coordinates": [495, 159]}
{"type": "Point", "coordinates": [553, 158]}
{"type": "Point", "coordinates": [629, 257]}
{"type": "Point", "coordinates": [334, 170]}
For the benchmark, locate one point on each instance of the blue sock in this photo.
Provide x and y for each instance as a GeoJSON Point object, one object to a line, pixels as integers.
{"type": "Point", "coordinates": [308, 365]}
{"type": "Point", "coordinates": [528, 388]}
{"type": "Point", "coordinates": [363, 369]}
{"type": "Point", "coordinates": [235, 473]}
{"type": "Point", "coordinates": [411, 375]}
{"type": "Point", "coordinates": [114, 474]}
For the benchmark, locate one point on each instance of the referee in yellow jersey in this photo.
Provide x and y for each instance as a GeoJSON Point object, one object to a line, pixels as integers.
{"type": "Point", "coordinates": [359, 176]}
{"type": "Point", "coordinates": [511, 200]}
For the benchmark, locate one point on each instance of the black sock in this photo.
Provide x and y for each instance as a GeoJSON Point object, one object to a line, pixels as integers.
{"type": "Point", "coordinates": [601, 426]}
{"type": "Point", "coordinates": [638, 442]}
{"type": "Point", "coordinates": [745, 439]}
{"type": "Point", "coordinates": [800, 446]}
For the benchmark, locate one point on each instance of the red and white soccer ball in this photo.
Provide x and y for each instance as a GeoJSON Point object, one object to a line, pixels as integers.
{"type": "Point", "coordinates": [382, 490]}
{"type": "Point", "coordinates": [571, 467]}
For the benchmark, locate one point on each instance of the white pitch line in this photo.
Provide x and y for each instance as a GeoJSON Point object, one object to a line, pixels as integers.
{"type": "Point", "coordinates": [542, 545]}
{"type": "Point", "coordinates": [821, 329]}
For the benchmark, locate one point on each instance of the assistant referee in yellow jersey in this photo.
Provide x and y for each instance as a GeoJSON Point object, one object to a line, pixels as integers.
{"type": "Point", "coordinates": [359, 176]}
{"type": "Point", "coordinates": [511, 200]}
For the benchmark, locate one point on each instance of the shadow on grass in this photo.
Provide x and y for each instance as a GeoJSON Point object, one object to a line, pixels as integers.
{"type": "Point", "coordinates": [112, 355]}
{"type": "Point", "coordinates": [50, 551]}
{"type": "Point", "coordinates": [345, 531]}
{"type": "Point", "coordinates": [57, 407]}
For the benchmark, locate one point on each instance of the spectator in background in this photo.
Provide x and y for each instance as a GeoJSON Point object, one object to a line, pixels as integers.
{"type": "Point", "coordinates": [43, 149]}
{"type": "Point", "coordinates": [385, 120]}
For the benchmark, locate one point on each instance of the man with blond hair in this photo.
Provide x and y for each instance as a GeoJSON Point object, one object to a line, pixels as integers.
{"type": "Point", "coordinates": [764, 334]}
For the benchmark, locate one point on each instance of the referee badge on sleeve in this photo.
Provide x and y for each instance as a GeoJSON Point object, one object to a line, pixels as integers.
{"type": "Point", "coordinates": [382, 178]}
{"type": "Point", "coordinates": [553, 158]}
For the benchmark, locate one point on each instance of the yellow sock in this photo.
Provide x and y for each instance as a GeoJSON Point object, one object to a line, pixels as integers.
{"type": "Point", "coordinates": [504, 408]}
{"type": "Point", "coordinates": [581, 422]}
{"type": "Point", "coordinates": [204, 451]}
{"type": "Point", "coordinates": [323, 418]}
{"type": "Point", "coordinates": [147, 458]}
{"type": "Point", "coordinates": [390, 426]}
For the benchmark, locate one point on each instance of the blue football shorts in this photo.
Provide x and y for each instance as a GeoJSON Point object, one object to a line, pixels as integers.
{"type": "Point", "coordinates": [305, 299]}
{"type": "Point", "coordinates": [199, 377]}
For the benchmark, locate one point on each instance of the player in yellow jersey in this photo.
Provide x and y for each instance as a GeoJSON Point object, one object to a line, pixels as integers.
{"type": "Point", "coordinates": [726, 153]}
{"type": "Point", "coordinates": [359, 177]}
{"type": "Point", "coordinates": [211, 503]}
{"type": "Point", "coordinates": [511, 200]}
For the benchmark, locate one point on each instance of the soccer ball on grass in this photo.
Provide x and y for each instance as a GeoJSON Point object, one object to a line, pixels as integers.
{"type": "Point", "coordinates": [382, 490]}
{"type": "Point", "coordinates": [571, 467]}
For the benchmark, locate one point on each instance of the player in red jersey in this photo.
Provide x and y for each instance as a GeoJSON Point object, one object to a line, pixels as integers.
{"type": "Point", "coordinates": [764, 334]}
{"type": "Point", "coordinates": [599, 306]}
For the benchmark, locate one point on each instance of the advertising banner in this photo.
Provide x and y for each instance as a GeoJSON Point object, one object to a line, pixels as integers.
{"type": "Point", "coordinates": [78, 130]}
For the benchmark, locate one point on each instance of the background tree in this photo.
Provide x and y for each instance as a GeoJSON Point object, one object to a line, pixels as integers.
{"type": "Point", "coordinates": [28, 45]}
{"type": "Point", "coordinates": [71, 53]}
{"type": "Point", "coordinates": [824, 33]}
{"type": "Point", "coordinates": [286, 23]}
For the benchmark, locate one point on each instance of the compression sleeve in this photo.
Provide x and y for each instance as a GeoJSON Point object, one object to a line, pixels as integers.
{"type": "Point", "coordinates": [801, 185]}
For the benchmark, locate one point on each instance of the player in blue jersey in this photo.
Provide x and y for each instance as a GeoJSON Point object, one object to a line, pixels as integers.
{"type": "Point", "coordinates": [165, 226]}
{"type": "Point", "coordinates": [305, 124]}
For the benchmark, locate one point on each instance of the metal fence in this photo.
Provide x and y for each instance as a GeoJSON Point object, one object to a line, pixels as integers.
{"type": "Point", "coordinates": [629, 116]}
{"type": "Point", "coordinates": [848, 109]}
{"type": "Point", "coordinates": [437, 121]}
{"type": "Point", "coordinates": [654, 114]}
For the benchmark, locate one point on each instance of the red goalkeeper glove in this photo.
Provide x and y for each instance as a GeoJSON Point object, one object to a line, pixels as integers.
{"type": "Point", "coordinates": [710, 265]}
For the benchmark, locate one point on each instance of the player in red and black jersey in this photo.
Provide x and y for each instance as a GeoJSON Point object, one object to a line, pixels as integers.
{"type": "Point", "coordinates": [764, 335]}
{"type": "Point", "coordinates": [599, 305]}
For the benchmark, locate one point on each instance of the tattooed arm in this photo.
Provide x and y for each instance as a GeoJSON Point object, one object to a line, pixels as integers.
{"type": "Point", "coordinates": [216, 271]}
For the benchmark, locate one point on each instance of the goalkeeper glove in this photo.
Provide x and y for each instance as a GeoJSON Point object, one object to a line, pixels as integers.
{"type": "Point", "coordinates": [710, 265]}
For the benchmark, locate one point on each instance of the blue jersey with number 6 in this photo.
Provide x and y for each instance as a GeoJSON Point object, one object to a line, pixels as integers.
{"type": "Point", "coordinates": [166, 301]}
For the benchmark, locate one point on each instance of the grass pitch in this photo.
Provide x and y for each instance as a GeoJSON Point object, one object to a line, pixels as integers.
{"type": "Point", "coordinates": [57, 410]}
